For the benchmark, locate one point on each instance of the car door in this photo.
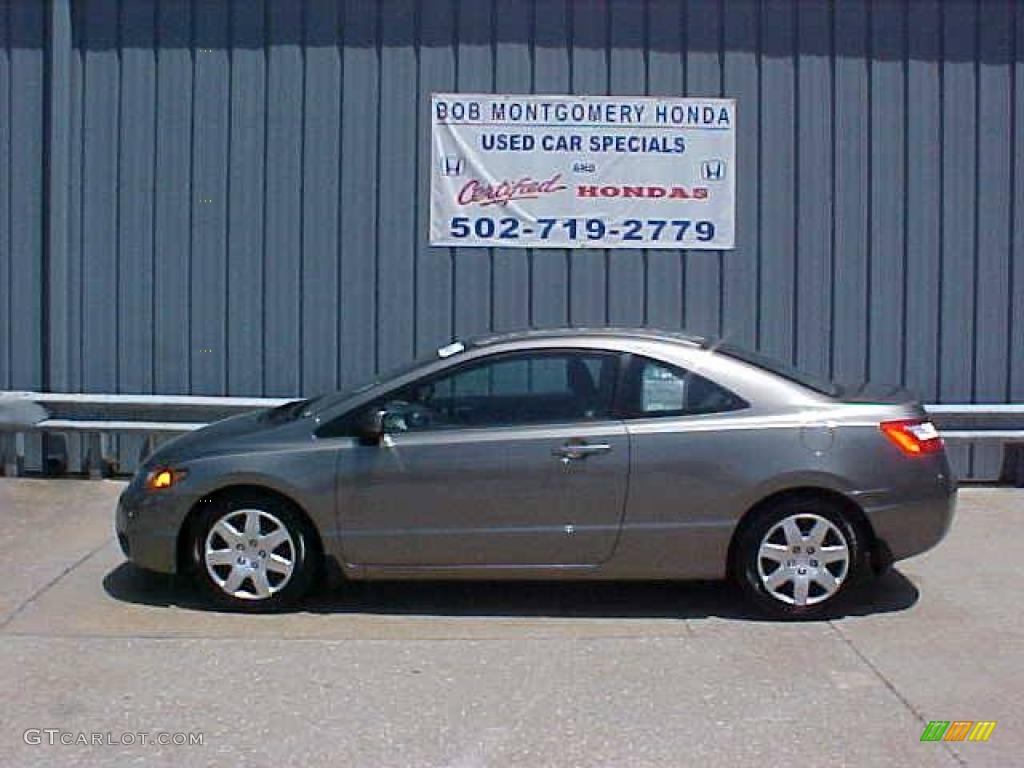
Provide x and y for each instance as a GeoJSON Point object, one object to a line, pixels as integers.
{"type": "Point", "coordinates": [689, 450]}
{"type": "Point", "coordinates": [515, 459]}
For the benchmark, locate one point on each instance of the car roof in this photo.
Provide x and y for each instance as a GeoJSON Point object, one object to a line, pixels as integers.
{"type": "Point", "coordinates": [626, 334]}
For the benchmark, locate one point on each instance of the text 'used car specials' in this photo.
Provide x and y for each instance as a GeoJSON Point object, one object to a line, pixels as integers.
{"type": "Point", "coordinates": [582, 171]}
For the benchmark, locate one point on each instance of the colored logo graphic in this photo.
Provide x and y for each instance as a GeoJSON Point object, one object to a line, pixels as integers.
{"type": "Point", "coordinates": [958, 730]}
{"type": "Point", "coordinates": [452, 165]}
{"type": "Point", "coordinates": [712, 170]}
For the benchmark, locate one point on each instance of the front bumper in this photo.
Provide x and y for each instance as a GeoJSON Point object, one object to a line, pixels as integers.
{"type": "Point", "coordinates": [147, 525]}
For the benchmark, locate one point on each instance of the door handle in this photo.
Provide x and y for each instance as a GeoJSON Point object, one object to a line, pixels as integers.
{"type": "Point", "coordinates": [577, 451]}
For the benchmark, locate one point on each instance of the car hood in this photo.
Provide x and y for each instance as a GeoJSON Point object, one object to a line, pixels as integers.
{"type": "Point", "coordinates": [219, 437]}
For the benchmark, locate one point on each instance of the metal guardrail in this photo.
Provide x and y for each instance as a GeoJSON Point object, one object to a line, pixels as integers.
{"type": "Point", "coordinates": [998, 424]}
{"type": "Point", "coordinates": [991, 422]}
{"type": "Point", "coordinates": [100, 416]}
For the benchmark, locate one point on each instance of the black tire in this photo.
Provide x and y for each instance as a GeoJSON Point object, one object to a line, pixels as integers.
{"type": "Point", "coordinates": [748, 564]}
{"type": "Point", "coordinates": [301, 549]}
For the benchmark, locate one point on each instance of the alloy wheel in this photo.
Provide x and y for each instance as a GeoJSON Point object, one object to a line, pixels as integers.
{"type": "Point", "coordinates": [803, 559]}
{"type": "Point", "coordinates": [249, 554]}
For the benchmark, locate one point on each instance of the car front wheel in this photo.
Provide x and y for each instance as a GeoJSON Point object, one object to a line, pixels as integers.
{"type": "Point", "coordinates": [797, 559]}
{"type": "Point", "coordinates": [252, 552]}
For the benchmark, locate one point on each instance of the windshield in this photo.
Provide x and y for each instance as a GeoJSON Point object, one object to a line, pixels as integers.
{"type": "Point", "coordinates": [326, 402]}
{"type": "Point", "coordinates": [289, 411]}
{"type": "Point", "coordinates": [785, 370]}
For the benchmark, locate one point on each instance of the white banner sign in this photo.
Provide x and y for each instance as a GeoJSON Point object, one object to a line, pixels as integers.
{"type": "Point", "coordinates": [582, 171]}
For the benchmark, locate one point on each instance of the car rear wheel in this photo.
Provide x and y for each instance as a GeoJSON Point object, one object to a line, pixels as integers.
{"type": "Point", "coordinates": [253, 552]}
{"type": "Point", "coordinates": [796, 559]}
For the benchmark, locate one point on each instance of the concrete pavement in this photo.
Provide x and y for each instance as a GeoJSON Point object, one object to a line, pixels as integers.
{"type": "Point", "coordinates": [467, 675]}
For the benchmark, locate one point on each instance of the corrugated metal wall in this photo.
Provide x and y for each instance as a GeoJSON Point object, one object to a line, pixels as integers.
{"type": "Point", "coordinates": [22, 139]}
{"type": "Point", "coordinates": [231, 197]}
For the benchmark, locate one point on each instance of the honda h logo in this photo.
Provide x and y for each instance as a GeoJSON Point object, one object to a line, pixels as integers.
{"type": "Point", "coordinates": [712, 170]}
{"type": "Point", "coordinates": [452, 165]}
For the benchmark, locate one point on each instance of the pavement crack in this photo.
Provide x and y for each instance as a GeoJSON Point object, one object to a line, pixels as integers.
{"type": "Point", "coordinates": [892, 688]}
{"type": "Point", "coordinates": [49, 585]}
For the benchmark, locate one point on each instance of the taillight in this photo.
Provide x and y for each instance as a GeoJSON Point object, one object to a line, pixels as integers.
{"type": "Point", "coordinates": [915, 437]}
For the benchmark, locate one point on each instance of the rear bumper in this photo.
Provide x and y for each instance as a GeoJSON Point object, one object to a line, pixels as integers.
{"type": "Point", "coordinates": [909, 528]}
{"type": "Point", "coordinates": [147, 526]}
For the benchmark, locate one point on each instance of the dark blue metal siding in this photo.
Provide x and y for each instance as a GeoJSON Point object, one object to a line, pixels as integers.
{"type": "Point", "coordinates": [1015, 321]}
{"type": "Point", "coordinates": [6, 188]}
{"type": "Point", "coordinates": [22, 27]}
{"type": "Point", "coordinates": [173, 194]}
{"type": "Point", "coordinates": [246, 157]}
{"type": "Point", "coordinates": [231, 197]}
{"type": "Point", "coordinates": [741, 270]}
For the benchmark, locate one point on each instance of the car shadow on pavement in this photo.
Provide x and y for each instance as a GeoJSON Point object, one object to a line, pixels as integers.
{"type": "Point", "coordinates": [637, 600]}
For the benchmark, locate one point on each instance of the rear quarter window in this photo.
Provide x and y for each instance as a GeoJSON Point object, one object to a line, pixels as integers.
{"type": "Point", "coordinates": [658, 389]}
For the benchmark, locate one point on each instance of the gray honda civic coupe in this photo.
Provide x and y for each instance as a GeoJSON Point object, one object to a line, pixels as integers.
{"type": "Point", "coordinates": [570, 454]}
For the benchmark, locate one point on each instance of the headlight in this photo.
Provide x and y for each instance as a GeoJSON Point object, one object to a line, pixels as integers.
{"type": "Point", "coordinates": [161, 478]}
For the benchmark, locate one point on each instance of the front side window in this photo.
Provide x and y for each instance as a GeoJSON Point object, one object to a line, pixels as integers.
{"type": "Point", "coordinates": [659, 389]}
{"type": "Point", "coordinates": [508, 390]}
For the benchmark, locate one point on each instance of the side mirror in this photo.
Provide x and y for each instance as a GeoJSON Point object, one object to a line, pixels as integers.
{"type": "Point", "coordinates": [370, 426]}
